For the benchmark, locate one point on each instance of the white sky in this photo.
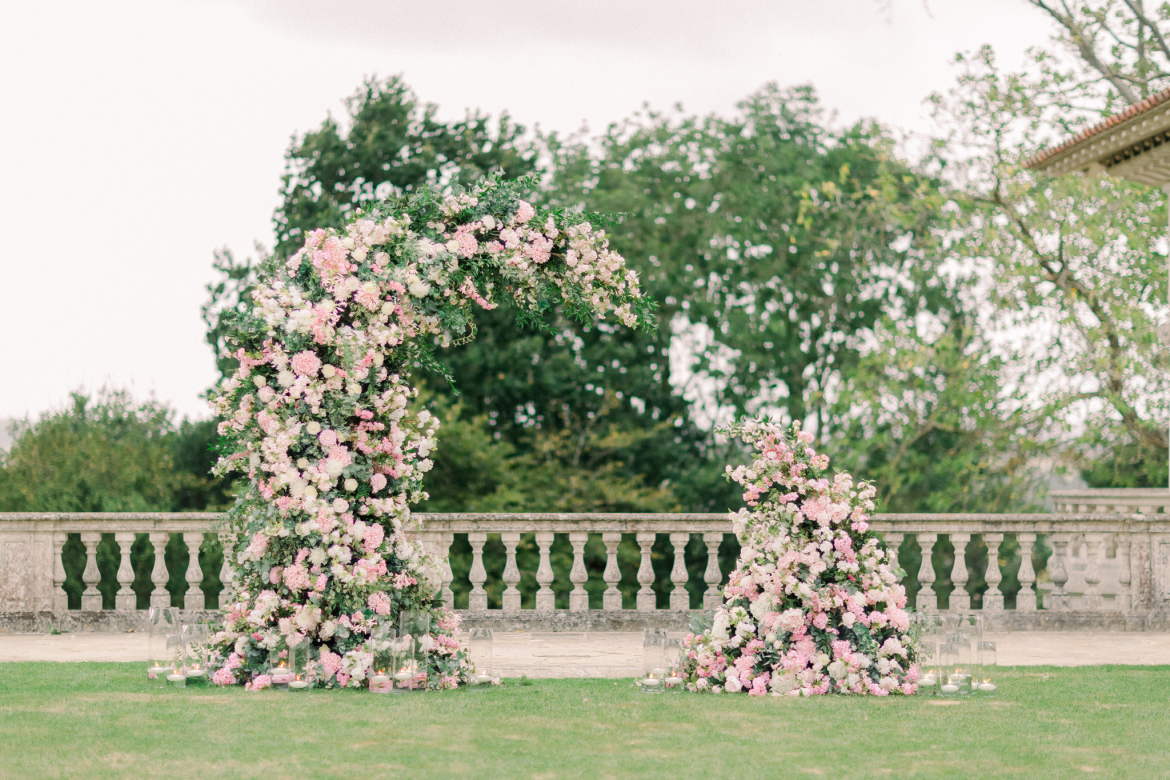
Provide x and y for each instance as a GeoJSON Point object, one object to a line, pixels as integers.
{"type": "Point", "coordinates": [139, 136]}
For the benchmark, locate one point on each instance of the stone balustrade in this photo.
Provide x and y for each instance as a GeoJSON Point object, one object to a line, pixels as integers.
{"type": "Point", "coordinates": [1095, 570]}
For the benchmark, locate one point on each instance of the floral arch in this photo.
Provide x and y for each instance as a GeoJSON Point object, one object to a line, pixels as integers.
{"type": "Point", "coordinates": [318, 414]}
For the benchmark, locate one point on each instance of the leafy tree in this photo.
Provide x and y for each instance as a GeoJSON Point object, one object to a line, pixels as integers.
{"type": "Point", "coordinates": [1077, 275]}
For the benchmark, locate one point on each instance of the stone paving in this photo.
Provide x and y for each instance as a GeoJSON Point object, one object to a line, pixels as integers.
{"type": "Point", "coordinates": [618, 654]}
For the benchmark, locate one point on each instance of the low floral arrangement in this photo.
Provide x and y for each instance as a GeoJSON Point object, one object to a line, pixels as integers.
{"type": "Point", "coordinates": [318, 414]}
{"type": "Point", "coordinates": [814, 605]}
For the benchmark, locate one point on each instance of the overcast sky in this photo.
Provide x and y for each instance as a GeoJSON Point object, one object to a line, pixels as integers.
{"type": "Point", "coordinates": [137, 137]}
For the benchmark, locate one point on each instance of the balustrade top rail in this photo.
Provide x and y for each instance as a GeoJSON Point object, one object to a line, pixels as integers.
{"type": "Point", "coordinates": [145, 522]}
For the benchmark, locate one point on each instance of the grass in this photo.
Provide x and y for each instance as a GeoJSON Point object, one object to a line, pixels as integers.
{"type": "Point", "coordinates": [101, 720]}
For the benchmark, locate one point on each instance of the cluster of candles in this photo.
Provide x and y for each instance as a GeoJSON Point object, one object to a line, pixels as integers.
{"type": "Point", "coordinates": [955, 642]}
{"type": "Point", "coordinates": [660, 661]}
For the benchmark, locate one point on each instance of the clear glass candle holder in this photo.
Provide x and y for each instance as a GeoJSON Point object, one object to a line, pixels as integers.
{"type": "Point", "coordinates": [951, 680]}
{"type": "Point", "coordinates": [280, 669]}
{"type": "Point", "coordinates": [196, 637]}
{"type": "Point", "coordinates": [383, 640]}
{"type": "Point", "coordinates": [986, 683]}
{"type": "Point", "coordinates": [674, 661]}
{"type": "Point", "coordinates": [298, 662]}
{"type": "Point", "coordinates": [161, 622]}
{"type": "Point", "coordinates": [176, 661]}
{"type": "Point", "coordinates": [654, 675]}
{"type": "Point", "coordinates": [414, 635]}
{"type": "Point", "coordinates": [480, 651]}
{"type": "Point", "coordinates": [929, 668]}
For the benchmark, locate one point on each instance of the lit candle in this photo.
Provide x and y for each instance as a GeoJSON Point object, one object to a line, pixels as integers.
{"type": "Point", "coordinates": [651, 681]}
{"type": "Point", "coordinates": [402, 675]}
{"type": "Point", "coordinates": [481, 678]}
{"type": "Point", "coordinates": [950, 688]}
{"type": "Point", "coordinates": [380, 678]}
{"type": "Point", "coordinates": [987, 685]}
{"type": "Point", "coordinates": [176, 678]}
{"type": "Point", "coordinates": [195, 672]}
{"type": "Point", "coordinates": [298, 683]}
{"type": "Point", "coordinates": [926, 679]}
{"type": "Point", "coordinates": [157, 670]}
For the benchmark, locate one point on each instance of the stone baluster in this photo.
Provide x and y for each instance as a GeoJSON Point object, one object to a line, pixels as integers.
{"type": "Point", "coordinates": [1026, 598]}
{"type": "Point", "coordinates": [611, 600]}
{"type": "Point", "coordinates": [126, 598]}
{"type": "Point", "coordinates": [91, 599]}
{"type": "Point", "coordinates": [993, 597]}
{"type": "Point", "coordinates": [960, 575]}
{"type": "Point", "coordinates": [927, 600]}
{"type": "Point", "coordinates": [448, 576]}
{"type": "Point", "coordinates": [159, 597]}
{"type": "Point", "coordinates": [194, 598]}
{"type": "Point", "coordinates": [60, 599]}
{"type": "Point", "coordinates": [1058, 600]}
{"type": "Point", "coordinates": [1093, 600]}
{"type": "Point", "coordinates": [893, 544]}
{"type": "Point", "coordinates": [1124, 574]}
{"type": "Point", "coordinates": [680, 599]}
{"type": "Point", "coordinates": [225, 574]}
{"type": "Point", "coordinates": [477, 600]}
{"type": "Point", "coordinates": [578, 597]}
{"type": "Point", "coordinates": [647, 601]}
{"type": "Point", "coordinates": [546, 599]}
{"type": "Point", "coordinates": [511, 572]}
{"type": "Point", "coordinates": [713, 576]}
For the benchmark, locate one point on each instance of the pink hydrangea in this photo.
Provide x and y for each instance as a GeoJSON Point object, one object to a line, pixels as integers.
{"type": "Point", "coordinates": [379, 603]}
{"type": "Point", "coordinates": [306, 363]}
{"type": "Point", "coordinates": [259, 682]}
{"type": "Point", "coordinates": [223, 676]}
{"type": "Point", "coordinates": [377, 482]}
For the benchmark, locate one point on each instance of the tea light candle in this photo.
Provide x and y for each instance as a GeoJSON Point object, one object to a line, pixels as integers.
{"type": "Point", "coordinates": [298, 684]}
{"type": "Point", "coordinates": [651, 682]}
{"type": "Point", "coordinates": [950, 688]}
{"type": "Point", "coordinates": [157, 670]}
{"type": "Point", "coordinates": [378, 679]}
{"type": "Point", "coordinates": [176, 678]}
{"type": "Point", "coordinates": [196, 672]}
{"type": "Point", "coordinates": [673, 680]}
{"type": "Point", "coordinates": [987, 685]}
{"type": "Point", "coordinates": [402, 675]}
{"type": "Point", "coordinates": [926, 679]}
{"type": "Point", "coordinates": [480, 679]}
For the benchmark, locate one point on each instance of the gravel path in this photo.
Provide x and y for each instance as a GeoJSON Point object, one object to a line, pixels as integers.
{"type": "Point", "coordinates": [619, 654]}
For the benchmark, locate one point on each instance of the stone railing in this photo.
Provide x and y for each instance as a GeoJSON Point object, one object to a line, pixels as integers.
{"type": "Point", "coordinates": [1023, 571]}
{"type": "Point", "coordinates": [1125, 501]}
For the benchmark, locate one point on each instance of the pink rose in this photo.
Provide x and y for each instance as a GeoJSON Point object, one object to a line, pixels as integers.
{"type": "Point", "coordinates": [377, 482]}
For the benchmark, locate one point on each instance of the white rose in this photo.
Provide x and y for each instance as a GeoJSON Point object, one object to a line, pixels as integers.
{"type": "Point", "coordinates": [452, 246]}
{"type": "Point", "coordinates": [285, 378]}
{"type": "Point", "coordinates": [360, 254]}
{"type": "Point", "coordinates": [326, 629]}
{"type": "Point", "coordinates": [328, 371]}
{"type": "Point", "coordinates": [254, 460]}
{"type": "Point", "coordinates": [353, 389]}
{"type": "Point", "coordinates": [310, 492]}
{"type": "Point", "coordinates": [313, 428]}
{"type": "Point", "coordinates": [378, 359]}
{"type": "Point", "coordinates": [340, 505]}
{"type": "Point", "coordinates": [489, 221]}
{"type": "Point", "coordinates": [259, 381]}
{"type": "Point", "coordinates": [420, 289]}
{"type": "Point", "coordinates": [425, 465]}
{"type": "Point", "coordinates": [302, 463]}
{"type": "Point", "coordinates": [351, 485]}
{"type": "Point", "coordinates": [333, 468]}
{"type": "Point", "coordinates": [347, 242]}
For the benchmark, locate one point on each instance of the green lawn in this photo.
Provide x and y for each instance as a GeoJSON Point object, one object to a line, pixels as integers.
{"type": "Point", "coordinates": [101, 720]}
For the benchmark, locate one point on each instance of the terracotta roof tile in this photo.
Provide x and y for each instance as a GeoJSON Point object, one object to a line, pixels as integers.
{"type": "Point", "coordinates": [1113, 121]}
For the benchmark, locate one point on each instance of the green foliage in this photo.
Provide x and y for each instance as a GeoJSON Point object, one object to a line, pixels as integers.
{"type": "Point", "coordinates": [110, 454]}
